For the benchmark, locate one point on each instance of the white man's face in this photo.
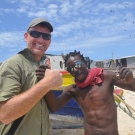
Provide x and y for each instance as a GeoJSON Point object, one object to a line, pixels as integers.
{"type": "Point", "coordinates": [37, 46]}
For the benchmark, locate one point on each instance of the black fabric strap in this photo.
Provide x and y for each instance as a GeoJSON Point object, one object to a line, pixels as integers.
{"type": "Point", "coordinates": [14, 126]}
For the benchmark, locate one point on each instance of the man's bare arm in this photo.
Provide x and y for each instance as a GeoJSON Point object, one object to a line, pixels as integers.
{"type": "Point", "coordinates": [125, 75]}
{"type": "Point", "coordinates": [54, 103]}
{"type": "Point", "coordinates": [22, 103]}
{"type": "Point", "coordinates": [123, 78]}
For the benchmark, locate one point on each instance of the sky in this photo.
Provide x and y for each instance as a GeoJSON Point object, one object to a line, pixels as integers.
{"type": "Point", "coordinates": [99, 29]}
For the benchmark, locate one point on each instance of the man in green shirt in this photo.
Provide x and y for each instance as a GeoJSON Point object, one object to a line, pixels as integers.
{"type": "Point", "coordinates": [21, 94]}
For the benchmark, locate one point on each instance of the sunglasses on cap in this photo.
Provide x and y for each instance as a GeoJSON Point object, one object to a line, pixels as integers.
{"type": "Point", "coordinates": [37, 34]}
{"type": "Point", "coordinates": [76, 65]}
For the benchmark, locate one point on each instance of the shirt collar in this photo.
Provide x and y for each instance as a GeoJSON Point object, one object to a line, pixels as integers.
{"type": "Point", "coordinates": [28, 55]}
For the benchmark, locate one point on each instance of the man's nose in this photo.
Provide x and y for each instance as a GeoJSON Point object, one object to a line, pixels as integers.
{"type": "Point", "coordinates": [40, 38]}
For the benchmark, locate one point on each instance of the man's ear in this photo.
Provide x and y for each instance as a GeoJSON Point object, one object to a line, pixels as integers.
{"type": "Point", "coordinates": [26, 36]}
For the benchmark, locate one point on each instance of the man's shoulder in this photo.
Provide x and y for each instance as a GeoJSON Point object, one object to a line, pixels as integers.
{"type": "Point", "coordinates": [12, 60]}
{"type": "Point", "coordinates": [15, 61]}
{"type": "Point", "coordinates": [109, 74]}
{"type": "Point", "coordinates": [15, 58]}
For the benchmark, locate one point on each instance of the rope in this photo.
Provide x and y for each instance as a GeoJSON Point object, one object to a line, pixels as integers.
{"type": "Point", "coordinates": [124, 102]}
{"type": "Point", "coordinates": [125, 110]}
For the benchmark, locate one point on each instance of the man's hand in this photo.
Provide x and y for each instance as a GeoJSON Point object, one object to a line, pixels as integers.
{"type": "Point", "coordinates": [40, 71]}
{"type": "Point", "coordinates": [125, 74]}
{"type": "Point", "coordinates": [53, 78]}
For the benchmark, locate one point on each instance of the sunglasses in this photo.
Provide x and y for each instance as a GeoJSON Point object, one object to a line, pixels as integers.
{"type": "Point", "coordinates": [37, 34]}
{"type": "Point", "coordinates": [76, 65]}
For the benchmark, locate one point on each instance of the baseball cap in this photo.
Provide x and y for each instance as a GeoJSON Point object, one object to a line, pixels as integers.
{"type": "Point", "coordinates": [36, 21]}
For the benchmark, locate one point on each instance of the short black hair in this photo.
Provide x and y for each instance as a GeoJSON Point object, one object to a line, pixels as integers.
{"type": "Point", "coordinates": [75, 53]}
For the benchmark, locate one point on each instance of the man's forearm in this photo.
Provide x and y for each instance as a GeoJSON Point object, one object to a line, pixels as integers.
{"type": "Point", "coordinates": [22, 103]}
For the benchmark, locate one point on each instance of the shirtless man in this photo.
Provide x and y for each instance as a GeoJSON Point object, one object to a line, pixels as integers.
{"type": "Point", "coordinates": [93, 91]}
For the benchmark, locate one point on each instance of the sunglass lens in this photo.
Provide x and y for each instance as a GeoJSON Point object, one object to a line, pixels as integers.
{"type": "Point", "coordinates": [35, 34]}
{"type": "Point", "coordinates": [78, 64]}
{"type": "Point", "coordinates": [46, 36]}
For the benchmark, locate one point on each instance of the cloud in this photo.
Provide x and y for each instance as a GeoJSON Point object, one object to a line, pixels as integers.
{"type": "Point", "coordinates": [10, 39]}
{"type": "Point", "coordinates": [41, 13]}
{"type": "Point", "coordinates": [29, 2]}
{"type": "Point", "coordinates": [12, 1]}
{"type": "Point", "coordinates": [77, 24]}
{"type": "Point", "coordinates": [52, 6]}
{"type": "Point", "coordinates": [5, 10]}
{"type": "Point", "coordinates": [83, 42]}
{"type": "Point", "coordinates": [22, 9]}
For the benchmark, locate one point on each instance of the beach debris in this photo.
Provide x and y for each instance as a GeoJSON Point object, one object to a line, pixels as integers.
{"type": "Point", "coordinates": [124, 102]}
{"type": "Point", "coordinates": [118, 92]}
{"type": "Point", "coordinates": [125, 110]}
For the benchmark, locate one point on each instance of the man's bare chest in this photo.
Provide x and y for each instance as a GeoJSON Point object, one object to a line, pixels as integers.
{"type": "Point", "coordinates": [96, 95]}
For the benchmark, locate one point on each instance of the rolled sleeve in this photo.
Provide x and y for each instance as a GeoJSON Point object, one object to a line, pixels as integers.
{"type": "Point", "coordinates": [9, 80]}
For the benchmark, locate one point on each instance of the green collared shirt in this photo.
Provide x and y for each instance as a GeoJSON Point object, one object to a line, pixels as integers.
{"type": "Point", "coordinates": [17, 75]}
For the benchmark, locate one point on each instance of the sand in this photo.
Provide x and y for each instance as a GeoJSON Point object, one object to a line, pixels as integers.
{"type": "Point", "coordinates": [126, 124]}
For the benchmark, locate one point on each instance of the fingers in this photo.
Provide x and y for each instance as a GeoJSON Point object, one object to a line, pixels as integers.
{"type": "Point", "coordinates": [118, 73]}
{"type": "Point", "coordinates": [54, 76]}
{"type": "Point", "coordinates": [124, 74]}
{"type": "Point", "coordinates": [44, 66]}
{"type": "Point", "coordinates": [40, 71]}
{"type": "Point", "coordinates": [74, 85]}
{"type": "Point", "coordinates": [40, 77]}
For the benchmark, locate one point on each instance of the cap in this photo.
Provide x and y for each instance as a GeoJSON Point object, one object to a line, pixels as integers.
{"type": "Point", "coordinates": [36, 21]}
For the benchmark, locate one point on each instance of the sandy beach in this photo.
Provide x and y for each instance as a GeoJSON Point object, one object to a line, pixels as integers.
{"type": "Point", "coordinates": [126, 124]}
